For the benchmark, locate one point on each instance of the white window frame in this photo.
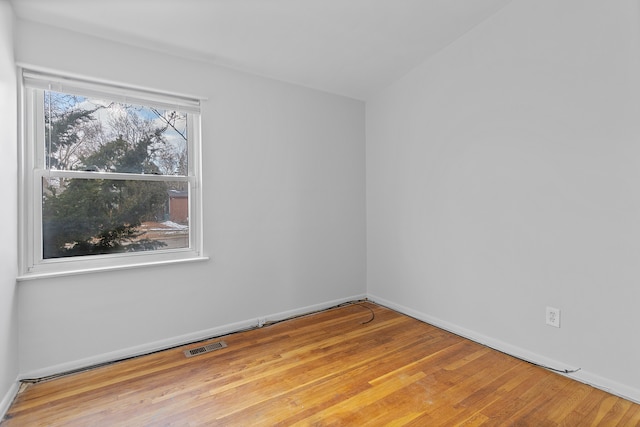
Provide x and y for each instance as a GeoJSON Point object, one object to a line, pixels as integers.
{"type": "Point", "coordinates": [32, 169]}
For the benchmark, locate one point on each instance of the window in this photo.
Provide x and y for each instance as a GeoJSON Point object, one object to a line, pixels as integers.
{"type": "Point", "coordinates": [110, 176]}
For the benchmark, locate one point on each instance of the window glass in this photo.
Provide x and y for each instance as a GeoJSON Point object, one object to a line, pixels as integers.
{"type": "Point", "coordinates": [83, 133]}
{"type": "Point", "coordinates": [98, 216]}
{"type": "Point", "coordinates": [101, 216]}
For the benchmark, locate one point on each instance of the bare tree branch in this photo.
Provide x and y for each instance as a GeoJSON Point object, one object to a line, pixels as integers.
{"type": "Point", "coordinates": [168, 122]}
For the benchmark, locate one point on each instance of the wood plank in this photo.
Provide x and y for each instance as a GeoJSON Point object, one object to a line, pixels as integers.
{"type": "Point", "coordinates": [329, 368]}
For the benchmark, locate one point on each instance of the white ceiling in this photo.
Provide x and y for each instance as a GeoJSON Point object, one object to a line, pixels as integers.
{"type": "Point", "coordinates": [348, 47]}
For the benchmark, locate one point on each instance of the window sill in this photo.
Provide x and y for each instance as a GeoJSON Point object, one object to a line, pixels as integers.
{"type": "Point", "coordinates": [45, 275]}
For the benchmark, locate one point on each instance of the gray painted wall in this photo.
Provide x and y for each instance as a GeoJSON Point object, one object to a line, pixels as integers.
{"type": "Point", "coordinates": [8, 213]}
{"type": "Point", "coordinates": [284, 220]}
{"type": "Point", "coordinates": [503, 176]}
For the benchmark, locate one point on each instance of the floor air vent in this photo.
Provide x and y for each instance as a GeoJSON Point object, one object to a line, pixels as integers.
{"type": "Point", "coordinates": [205, 349]}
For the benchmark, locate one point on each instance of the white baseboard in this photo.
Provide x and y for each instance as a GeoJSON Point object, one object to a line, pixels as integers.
{"type": "Point", "coordinates": [618, 389]}
{"type": "Point", "coordinates": [613, 387]}
{"type": "Point", "coordinates": [6, 401]}
{"type": "Point", "coordinates": [622, 390]}
{"type": "Point", "coordinates": [178, 340]}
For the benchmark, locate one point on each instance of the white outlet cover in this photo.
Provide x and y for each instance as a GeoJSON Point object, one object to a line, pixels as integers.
{"type": "Point", "coordinates": [553, 317]}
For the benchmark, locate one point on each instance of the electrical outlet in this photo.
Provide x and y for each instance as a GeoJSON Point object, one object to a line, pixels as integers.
{"type": "Point", "coordinates": [553, 317]}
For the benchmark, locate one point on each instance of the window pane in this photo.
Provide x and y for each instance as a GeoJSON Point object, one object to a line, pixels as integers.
{"type": "Point", "coordinates": [100, 216]}
{"type": "Point", "coordinates": [83, 133]}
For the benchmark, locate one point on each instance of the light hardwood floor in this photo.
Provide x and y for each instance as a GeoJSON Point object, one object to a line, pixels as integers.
{"type": "Point", "coordinates": [329, 368]}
